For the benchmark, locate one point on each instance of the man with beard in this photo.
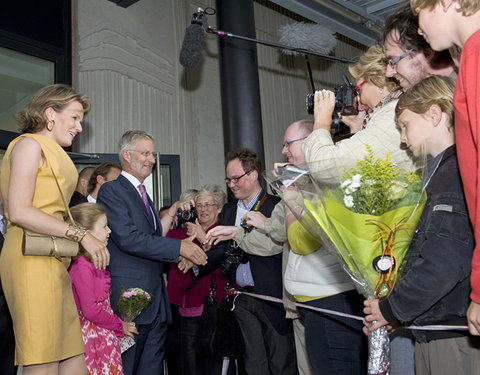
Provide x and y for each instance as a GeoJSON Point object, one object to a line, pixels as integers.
{"type": "Point", "coordinates": [411, 59]}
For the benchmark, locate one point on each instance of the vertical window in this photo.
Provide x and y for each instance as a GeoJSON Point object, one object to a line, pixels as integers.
{"type": "Point", "coordinates": [21, 75]}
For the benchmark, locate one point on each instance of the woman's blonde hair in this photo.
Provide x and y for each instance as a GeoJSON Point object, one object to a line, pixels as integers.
{"type": "Point", "coordinates": [371, 67]}
{"type": "Point", "coordinates": [467, 7]}
{"type": "Point", "coordinates": [86, 215]}
{"type": "Point", "coordinates": [32, 118]}
{"type": "Point", "coordinates": [432, 90]}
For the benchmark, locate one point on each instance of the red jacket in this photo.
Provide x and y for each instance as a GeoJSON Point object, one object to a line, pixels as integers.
{"type": "Point", "coordinates": [467, 128]}
{"type": "Point", "coordinates": [182, 289]}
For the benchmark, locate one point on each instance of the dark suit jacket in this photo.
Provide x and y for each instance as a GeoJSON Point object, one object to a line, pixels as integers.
{"type": "Point", "coordinates": [77, 198]}
{"type": "Point", "coordinates": [266, 271]}
{"type": "Point", "coordinates": [137, 249]}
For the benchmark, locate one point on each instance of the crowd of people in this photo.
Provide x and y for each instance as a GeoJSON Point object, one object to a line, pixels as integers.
{"type": "Point", "coordinates": [416, 92]}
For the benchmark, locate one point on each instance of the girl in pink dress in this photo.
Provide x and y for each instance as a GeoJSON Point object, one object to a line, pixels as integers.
{"type": "Point", "coordinates": [101, 328]}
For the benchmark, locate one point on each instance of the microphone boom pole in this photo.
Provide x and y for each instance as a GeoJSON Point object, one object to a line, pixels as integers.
{"type": "Point", "coordinates": [221, 33]}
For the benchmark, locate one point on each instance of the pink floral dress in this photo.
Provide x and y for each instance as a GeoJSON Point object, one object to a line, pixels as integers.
{"type": "Point", "coordinates": [100, 326]}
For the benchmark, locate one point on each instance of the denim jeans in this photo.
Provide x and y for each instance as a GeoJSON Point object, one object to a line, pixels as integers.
{"type": "Point", "coordinates": [336, 345]}
{"type": "Point", "coordinates": [402, 353]}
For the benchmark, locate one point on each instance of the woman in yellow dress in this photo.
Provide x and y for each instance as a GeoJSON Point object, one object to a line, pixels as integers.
{"type": "Point", "coordinates": [37, 288]}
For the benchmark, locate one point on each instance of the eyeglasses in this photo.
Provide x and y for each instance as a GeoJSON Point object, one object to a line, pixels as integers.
{"type": "Point", "coordinates": [146, 154]}
{"type": "Point", "coordinates": [395, 61]}
{"type": "Point", "coordinates": [359, 86]}
{"type": "Point", "coordinates": [234, 180]}
{"type": "Point", "coordinates": [287, 144]}
{"type": "Point", "coordinates": [205, 205]}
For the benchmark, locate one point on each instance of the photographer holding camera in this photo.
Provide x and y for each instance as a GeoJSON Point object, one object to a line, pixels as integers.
{"type": "Point", "coordinates": [378, 93]}
{"type": "Point", "coordinates": [188, 295]}
{"type": "Point", "coordinates": [268, 335]}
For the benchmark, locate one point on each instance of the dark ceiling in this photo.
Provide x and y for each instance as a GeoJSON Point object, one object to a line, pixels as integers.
{"type": "Point", "coordinates": [359, 20]}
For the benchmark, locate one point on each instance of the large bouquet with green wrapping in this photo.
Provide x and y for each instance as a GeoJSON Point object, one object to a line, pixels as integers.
{"type": "Point", "coordinates": [367, 217]}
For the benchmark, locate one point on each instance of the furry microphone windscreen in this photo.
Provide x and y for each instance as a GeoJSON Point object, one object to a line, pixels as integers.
{"type": "Point", "coordinates": [192, 46]}
{"type": "Point", "coordinates": [309, 36]}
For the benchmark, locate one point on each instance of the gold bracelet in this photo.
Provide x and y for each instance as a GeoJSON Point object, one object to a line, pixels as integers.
{"type": "Point", "coordinates": [75, 232]}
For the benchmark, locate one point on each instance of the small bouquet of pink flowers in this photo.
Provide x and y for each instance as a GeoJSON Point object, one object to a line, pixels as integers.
{"type": "Point", "coordinates": [131, 303]}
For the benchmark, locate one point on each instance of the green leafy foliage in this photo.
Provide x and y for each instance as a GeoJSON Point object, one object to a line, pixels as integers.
{"type": "Point", "coordinates": [376, 185]}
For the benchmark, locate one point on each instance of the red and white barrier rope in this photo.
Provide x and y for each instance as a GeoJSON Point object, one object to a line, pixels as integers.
{"type": "Point", "coordinates": [337, 313]}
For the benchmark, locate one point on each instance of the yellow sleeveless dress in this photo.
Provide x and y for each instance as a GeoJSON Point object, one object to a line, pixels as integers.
{"type": "Point", "coordinates": [38, 288]}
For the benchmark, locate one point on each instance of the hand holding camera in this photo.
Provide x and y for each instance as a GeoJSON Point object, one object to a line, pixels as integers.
{"type": "Point", "coordinates": [328, 107]}
{"type": "Point", "coordinates": [186, 212]}
{"type": "Point", "coordinates": [255, 219]}
{"type": "Point", "coordinates": [324, 106]}
{"type": "Point", "coordinates": [354, 122]}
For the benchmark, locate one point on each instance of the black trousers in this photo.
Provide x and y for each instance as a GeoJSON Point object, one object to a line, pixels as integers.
{"type": "Point", "coordinates": [266, 351]}
{"type": "Point", "coordinates": [184, 356]}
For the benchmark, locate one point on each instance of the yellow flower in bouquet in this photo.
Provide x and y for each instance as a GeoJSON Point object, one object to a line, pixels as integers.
{"type": "Point", "coordinates": [367, 219]}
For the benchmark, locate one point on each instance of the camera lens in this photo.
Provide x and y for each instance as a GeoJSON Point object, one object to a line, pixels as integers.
{"type": "Point", "coordinates": [309, 103]}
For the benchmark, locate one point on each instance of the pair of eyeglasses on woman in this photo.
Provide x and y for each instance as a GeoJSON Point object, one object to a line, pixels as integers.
{"type": "Point", "coordinates": [359, 86]}
{"type": "Point", "coordinates": [199, 206]}
{"type": "Point", "coordinates": [234, 180]}
{"type": "Point", "coordinates": [396, 60]}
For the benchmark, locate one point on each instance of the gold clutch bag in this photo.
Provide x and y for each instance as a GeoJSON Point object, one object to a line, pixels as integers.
{"type": "Point", "coordinates": [46, 245]}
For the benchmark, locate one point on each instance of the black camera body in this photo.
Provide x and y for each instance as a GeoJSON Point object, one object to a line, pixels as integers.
{"type": "Point", "coordinates": [345, 103]}
{"type": "Point", "coordinates": [235, 256]}
{"type": "Point", "coordinates": [344, 100]}
{"type": "Point", "coordinates": [246, 227]}
{"type": "Point", "coordinates": [187, 216]}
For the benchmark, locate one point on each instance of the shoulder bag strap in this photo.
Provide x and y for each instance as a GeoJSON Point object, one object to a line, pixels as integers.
{"type": "Point", "coordinates": [61, 193]}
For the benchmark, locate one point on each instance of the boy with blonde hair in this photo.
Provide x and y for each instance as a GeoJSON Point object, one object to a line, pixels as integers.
{"type": "Point", "coordinates": [434, 286]}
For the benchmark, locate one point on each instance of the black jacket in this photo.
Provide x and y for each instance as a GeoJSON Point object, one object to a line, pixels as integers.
{"type": "Point", "coordinates": [434, 287]}
{"type": "Point", "coordinates": [266, 271]}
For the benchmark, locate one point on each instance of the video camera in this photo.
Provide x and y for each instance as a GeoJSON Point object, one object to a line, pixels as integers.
{"type": "Point", "coordinates": [345, 103]}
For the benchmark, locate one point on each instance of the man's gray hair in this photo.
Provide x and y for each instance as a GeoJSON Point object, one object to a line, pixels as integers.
{"type": "Point", "coordinates": [129, 140]}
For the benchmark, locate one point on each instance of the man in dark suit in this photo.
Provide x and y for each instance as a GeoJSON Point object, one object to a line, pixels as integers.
{"type": "Point", "coordinates": [80, 194]}
{"type": "Point", "coordinates": [267, 334]}
{"type": "Point", "coordinates": [138, 249]}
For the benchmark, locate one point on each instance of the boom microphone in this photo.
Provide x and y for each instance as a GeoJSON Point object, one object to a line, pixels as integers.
{"type": "Point", "coordinates": [192, 46]}
{"type": "Point", "coordinates": [308, 36]}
